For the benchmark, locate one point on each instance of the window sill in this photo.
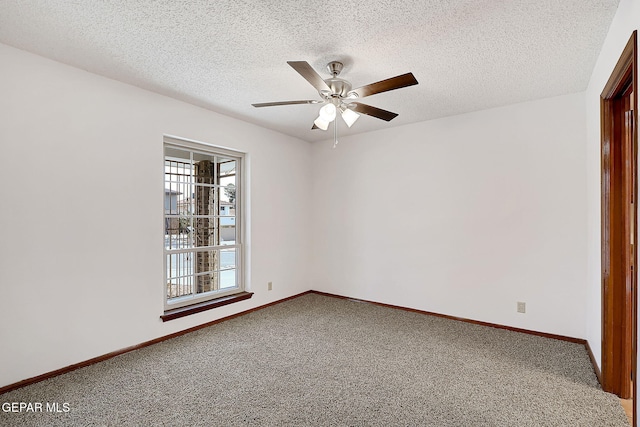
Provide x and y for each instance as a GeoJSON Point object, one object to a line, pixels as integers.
{"type": "Point", "coordinates": [188, 310]}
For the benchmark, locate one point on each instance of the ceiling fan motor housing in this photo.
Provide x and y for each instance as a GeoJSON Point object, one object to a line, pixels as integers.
{"type": "Point", "coordinates": [339, 87]}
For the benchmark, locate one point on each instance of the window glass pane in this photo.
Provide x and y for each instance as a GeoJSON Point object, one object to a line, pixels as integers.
{"type": "Point", "coordinates": [207, 282]}
{"type": "Point", "coordinates": [200, 156]}
{"type": "Point", "coordinates": [178, 234]}
{"type": "Point", "coordinates": [180, 287]}
{"type": "Point", "coordinates": [178, 200]}
{"type": "Point", "coordinates": [176, 153]}
{"type": "Point", "coordinates": [206, 232]}
{"type": "Point", "coordinates": [227, 166]}
{"type": "Point", "coordinates": [227, 279]}
{"type": "Point", "coordinates": [206, 261]}
{"type": "Point", "coordinates": [228, 193]}
{"type": "Point", "coordinates": [205, 172]}
{"type": "Point", "coordinates": [170, 198]}
{"type": "Point", "coordinates": [170, 233]}
{"type": "Point", "coordinates": [228, 230]}
{"type": "Point", "coordinates": [228, 258]}
{"type": "Point", "coordinates": [205, 199]}
{"type": "Point", "coordinates": [179, 265]}
{"type": "Point", "coordinates": [227, 180]}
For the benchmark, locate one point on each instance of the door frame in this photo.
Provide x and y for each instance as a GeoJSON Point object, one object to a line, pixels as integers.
{"type": "Point", "coordinates": [619, 187]}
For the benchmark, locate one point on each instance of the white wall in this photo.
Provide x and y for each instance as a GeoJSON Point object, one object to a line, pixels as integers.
{"type": "Point", "coordinates": [81, 241]}
{"type": "Point", "coordinates": [626, 20]}
{"type": "Point", "coordinates": [462, 216]}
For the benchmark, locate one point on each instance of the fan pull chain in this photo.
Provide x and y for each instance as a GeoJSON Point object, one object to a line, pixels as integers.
{"type": "Point", "coordinates": [335, 133]}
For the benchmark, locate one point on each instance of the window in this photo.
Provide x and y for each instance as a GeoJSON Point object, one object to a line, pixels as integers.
{"type": "Point", "coordinates": [203, 245]}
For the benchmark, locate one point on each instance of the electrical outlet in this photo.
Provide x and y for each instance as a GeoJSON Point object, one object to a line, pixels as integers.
{"type": "Point", "coordinates": [522, 307]}
{"type": "Point", "coordinates": [270, 286]}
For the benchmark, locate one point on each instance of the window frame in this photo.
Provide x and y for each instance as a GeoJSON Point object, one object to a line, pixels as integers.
{"type": "Point", "coordinates": [182, 306]}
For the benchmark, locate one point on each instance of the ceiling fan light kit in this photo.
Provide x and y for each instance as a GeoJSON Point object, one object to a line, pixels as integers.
{"type": "Point", "coordinates": [337, 95]}
{"type": "Point", "coordinates": [328, 112]}
{"type": "Point", "coordinates": [349, 116]}
{"type": "Point", "coordinates": [321, 123]}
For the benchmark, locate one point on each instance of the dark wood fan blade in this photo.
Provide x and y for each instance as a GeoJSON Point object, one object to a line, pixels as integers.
{"type": "Point", "coordinates": [314, 127]}
{"type": "Point", "coordinates": [305, 70]}
{"type": "Point", "coordinates": [386, 85]}
{"type": "Point", "coordinates": [273, 104]}
{"type": "Point", "coordinates": [372, 111]}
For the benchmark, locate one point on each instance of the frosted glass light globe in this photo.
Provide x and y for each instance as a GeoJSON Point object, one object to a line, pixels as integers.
{"type": "Point", "coordinates": [328, 112]}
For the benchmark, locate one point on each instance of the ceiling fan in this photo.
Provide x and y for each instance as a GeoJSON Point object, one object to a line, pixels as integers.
{"type": "Point", "coordinates": [338, 96]}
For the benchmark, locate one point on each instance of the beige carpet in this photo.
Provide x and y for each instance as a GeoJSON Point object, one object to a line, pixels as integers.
{"type": "Point", "coordinates": [323, 361]}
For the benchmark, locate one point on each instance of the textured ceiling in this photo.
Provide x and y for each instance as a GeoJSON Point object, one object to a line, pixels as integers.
{"type": "Point", "coordinates": [225, 55]}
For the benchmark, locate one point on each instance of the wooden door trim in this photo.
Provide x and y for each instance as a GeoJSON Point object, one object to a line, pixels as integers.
{"type": "Point", "coordinates": [619, 167]}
